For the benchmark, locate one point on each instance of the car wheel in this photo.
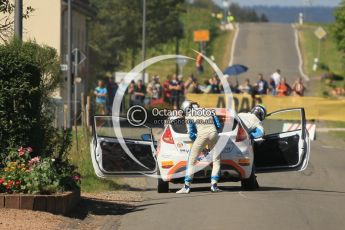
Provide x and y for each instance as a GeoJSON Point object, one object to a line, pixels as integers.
{"type": "Point", "coordinates": [163, 186]}
{"type": "Point", "coordinates": [250, 184]}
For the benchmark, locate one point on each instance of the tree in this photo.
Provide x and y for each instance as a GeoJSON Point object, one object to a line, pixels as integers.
{"type": "Point", "coordinates": [338, 27]}
{"type": "Point", "coordinates": [117, 29]}
{"type": "Point", "coordinates": [263, 18]}
{"type": "Point", "coordinates": [7, 18]}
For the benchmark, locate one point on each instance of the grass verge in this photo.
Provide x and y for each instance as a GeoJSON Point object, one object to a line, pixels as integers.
{"type": "Point", "coordinates": [81, 158]}
{"type": "Point", "coordinates": [330, 57]}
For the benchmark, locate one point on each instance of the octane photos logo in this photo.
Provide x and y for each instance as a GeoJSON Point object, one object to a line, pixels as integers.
{"type": "Point", "coordinates": [132, 115]}
{"type": "Point", "coordinates": [135, 73]}
{"type": "Point", "coordinates": [137, 115]}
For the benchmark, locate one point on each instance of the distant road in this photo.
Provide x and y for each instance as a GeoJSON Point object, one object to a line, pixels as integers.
{"type": "Point", "coordinates": [264, 47]}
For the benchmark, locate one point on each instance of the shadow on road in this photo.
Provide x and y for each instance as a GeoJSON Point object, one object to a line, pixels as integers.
{"type": "Point", "coordinates": [100, 207]}
{"type": "Point", "coordinates": [205, 191]}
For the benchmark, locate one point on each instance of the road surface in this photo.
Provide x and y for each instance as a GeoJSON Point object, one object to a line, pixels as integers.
{"type": "Point", "coordinates": [265, 47]}
{"type": "Point", "coordinates": [313, 199]}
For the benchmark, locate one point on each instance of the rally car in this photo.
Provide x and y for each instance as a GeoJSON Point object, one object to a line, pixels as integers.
{"type": "Point", "coordinates": [165, 156]}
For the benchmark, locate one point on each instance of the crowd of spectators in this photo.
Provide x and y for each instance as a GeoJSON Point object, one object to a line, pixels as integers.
{"type": "Point", "coordinates": [173, 89]}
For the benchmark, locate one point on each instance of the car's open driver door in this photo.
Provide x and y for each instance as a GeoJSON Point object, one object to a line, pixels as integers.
{"type": "Point", "coordinates": [108, 152]}
{"type": "Point", "coordinates": [285, 145]}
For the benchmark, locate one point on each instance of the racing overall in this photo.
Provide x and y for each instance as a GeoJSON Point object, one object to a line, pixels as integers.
{"type": "Point", "coordinates": [253, 124]}
{"type": "Point", "coordinates": [203, 131]}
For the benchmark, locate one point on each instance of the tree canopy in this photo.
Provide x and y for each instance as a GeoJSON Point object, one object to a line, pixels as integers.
{"type": "Point", "coordinates": [7, 18]}
{"type": "Point", "coordinates": [117, 28]}
{"type": "Point", "coordinates": [339, 26]}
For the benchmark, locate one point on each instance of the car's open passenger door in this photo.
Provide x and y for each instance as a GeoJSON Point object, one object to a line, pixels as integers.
{"type": "Point", "coordinates": [131, 155]}
{"type": "Point", "coordinates": [285, 145]}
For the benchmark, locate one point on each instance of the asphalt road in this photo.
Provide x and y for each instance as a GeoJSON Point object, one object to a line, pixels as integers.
{"type": "Point", "coordinates": [312, 199]}
{"type": "Point", "coordinates": [265, 47]}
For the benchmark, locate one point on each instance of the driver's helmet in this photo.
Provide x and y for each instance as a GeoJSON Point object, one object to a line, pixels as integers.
{"type": "Point", "coordinates": [187, 105]}
{"type": "Point", "coordinates": [259, 111]}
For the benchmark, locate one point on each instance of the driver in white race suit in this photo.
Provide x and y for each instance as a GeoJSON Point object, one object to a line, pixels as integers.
{"type": "Point", "coordinates": [253, 121]}
{"type": "Point", "coordinates": [202, 129]}
{"type": "Point", "coordinates": [206, 134]}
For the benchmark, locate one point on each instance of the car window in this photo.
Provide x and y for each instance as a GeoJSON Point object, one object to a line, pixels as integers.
{"type": "Point", "coordinates": [104, 128]}
{"type": "Point", "coordinates": [283, 121]}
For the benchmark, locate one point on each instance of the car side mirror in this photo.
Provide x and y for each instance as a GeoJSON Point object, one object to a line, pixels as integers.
{"type": "Point", "coordinates": [146, 137]}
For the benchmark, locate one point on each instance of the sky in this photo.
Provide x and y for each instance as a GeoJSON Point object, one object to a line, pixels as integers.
{"type": "Point", "coordinates": [283, 2]}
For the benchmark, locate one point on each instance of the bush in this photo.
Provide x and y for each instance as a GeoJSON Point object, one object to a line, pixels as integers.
{"type": "Point", "coordinates": [23, 173]}
{"type": "Point", "coordinates": [29, 73]}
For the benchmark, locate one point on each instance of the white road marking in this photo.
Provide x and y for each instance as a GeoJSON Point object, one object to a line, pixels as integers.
{"type": "Point", "coordinates": [237, 30]}
{"type": "Point", "coordinates": [300, 67]}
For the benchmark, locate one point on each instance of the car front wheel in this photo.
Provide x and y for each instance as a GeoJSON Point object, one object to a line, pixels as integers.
{"type": "Point", "coordinates": [163, 186]}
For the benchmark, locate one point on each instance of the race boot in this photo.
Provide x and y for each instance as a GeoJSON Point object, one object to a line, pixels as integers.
{"type": "Point", "coordinates": [214, 188]}
{"type": "Point", "coordinates": [184, 190]}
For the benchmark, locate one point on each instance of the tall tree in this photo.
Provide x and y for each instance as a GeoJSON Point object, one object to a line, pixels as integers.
{"type": "Point", "coordinates": [117, 29]}
{"type": "Point", "coordinates": [339, 26]}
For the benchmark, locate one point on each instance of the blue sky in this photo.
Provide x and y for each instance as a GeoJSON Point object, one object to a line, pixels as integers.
{"type": "Point", "coordinates": [283, 2]}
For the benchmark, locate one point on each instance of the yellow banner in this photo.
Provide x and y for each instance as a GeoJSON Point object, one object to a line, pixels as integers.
{"type": "Point", "coordinates": [316, 108]}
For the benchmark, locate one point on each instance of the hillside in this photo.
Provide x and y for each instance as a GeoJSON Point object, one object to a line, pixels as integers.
{"type": "Point", "coordinates": [290, 14]}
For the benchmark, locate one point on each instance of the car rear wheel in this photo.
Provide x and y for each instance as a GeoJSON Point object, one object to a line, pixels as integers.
{"type": "Point", "coordinates": [250, 184]}
{"type": "Point", "coordinates": [163, 186]}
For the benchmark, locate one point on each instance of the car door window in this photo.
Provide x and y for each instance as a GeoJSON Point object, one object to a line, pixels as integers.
{"type": "Point", "coordinates": [109, 151]}
{"type": "Point", "coordinates": [285, 145]}
{"type": "Point", "coordinates": [283, 121]}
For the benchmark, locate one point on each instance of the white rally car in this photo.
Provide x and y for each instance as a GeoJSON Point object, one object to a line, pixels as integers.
{"type": "Point", "coordinates": [166, 158]}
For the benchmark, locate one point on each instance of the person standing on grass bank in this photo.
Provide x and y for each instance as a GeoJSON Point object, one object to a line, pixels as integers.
{"type": "Point", "coordinates": [298, 87]}
{"type": "Point", "coordinates": [283, 88]}
{"type": "Point", "coordinates": [275, 80]}
{"type": "Point", "coordinates": [175, 87]}
{"type": "Point", "coordinates": [202, 131]}
{"type": "Point", "coordinates": [111, 90]}
{"type": "Point", "coordinates": [261, 85]}
{"type": "Point", "coordinates": [101, 98]}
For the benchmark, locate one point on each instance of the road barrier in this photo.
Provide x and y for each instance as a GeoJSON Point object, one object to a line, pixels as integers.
{"type": "Point", "coordinates": [317, 108]}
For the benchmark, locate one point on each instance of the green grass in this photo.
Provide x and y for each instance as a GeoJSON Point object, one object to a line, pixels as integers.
{"type": "Point", "coordinates": [329, 56]}
{"type": "Point", "coordinates": [337, 124]}
{"type": "Point", "coordinates": [89, 182]}
{"type": "Point", "coordinates": [193, 19]}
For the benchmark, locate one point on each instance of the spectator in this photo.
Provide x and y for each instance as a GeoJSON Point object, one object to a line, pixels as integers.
{"type": "Point", "coordinates": [246, 87]}
{"type": "Point", "coordinates": [157, 88]}
{"type": "Point", "coordinates": [111, 89]}
{"type": "Point", "coordinates": [175, 87]}
{"type": "Point", "coordinates": [188, 84]}
{"type": "Point", "coordinates": [208, 86]}
{"type": "Point", "coordinates": [261, 85]}
{"type": "Point", "coordinates": [196, 87]}
{"type": "Point", "coordinates": [131, 89]}
{"type": "Point", "coordinates": [275, 80]}
{"type": "Point", "coordinates": [181, 83]}
{"type": "Point", "coordinates": [283, 89]}
{"type": "Point", "coordinates": [166, 90]}
{"type": "Point", "coordinates": [215, 84]}
{"type": "Point", "coordinates": [101, 98]}
{"type": "Point", "coordinates": [139, 93]}
{"type": "Point", "coordinates": [298, 87]}
{"type": "Point", "coordinates": [198, 63]}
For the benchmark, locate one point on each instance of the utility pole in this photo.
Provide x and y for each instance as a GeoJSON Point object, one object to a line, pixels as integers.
{"type": "Point", "coordinates": [143, 48]}
{"type": "Point", "coordinates": [69, 57]}
{"type": "Point", "coordinates": [18, 19]}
